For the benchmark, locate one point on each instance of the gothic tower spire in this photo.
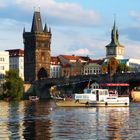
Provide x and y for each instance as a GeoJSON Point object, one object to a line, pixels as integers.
{"type": "Point", "coordinates": [45, 28]}
{"type": "Point", "coordinates": [36, 23]}
{"type": "Point", "coordinates": [114, 49]}
{"type": "Point", "coordinates": [24, 30]}
{"type": "Point", "coordinates": [114, 34]}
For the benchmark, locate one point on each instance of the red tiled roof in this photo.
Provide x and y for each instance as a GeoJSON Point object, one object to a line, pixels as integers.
{"type": "Point", "coordinates": [55, 60]}
{"type": "Point", "coordinates": [16, 52]}
{"type": "Point", "coordinates": [99, 61]}
{"type": "Point", "coordinates": [76, 58]}
{"type": "Point", "coordinates": [70, 57]}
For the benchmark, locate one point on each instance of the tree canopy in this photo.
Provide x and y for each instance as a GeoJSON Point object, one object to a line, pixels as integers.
{"type": "Point", "coordinates": [13, 87]}
{"type": "Point", "coordinates": [123, 67]}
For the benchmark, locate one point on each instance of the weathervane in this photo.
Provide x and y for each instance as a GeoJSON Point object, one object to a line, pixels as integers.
{"type": "Point", "coordinates": [37, 9]}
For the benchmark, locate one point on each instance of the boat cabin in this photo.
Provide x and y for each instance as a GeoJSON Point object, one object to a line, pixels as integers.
{"type": "Point", "coordinates": [93, 94]}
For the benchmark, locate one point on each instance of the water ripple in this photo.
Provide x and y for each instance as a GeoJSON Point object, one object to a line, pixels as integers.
{"type": "Point", "coordinates": [43, 120]}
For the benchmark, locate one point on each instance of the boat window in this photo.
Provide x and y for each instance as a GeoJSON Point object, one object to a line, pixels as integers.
{"type": "Point", "coordinates": [88, 91]}
{"type": "Point", "coordinates": [78, 96]}
{"type": "Point", "coordinates": [100, 92]}
{"type": "Point", "coordinates": [106, 93]}
{"type": "Point", "coordinates": [111, 98]}
{"type": "Point", "coordinates": [93, 92]}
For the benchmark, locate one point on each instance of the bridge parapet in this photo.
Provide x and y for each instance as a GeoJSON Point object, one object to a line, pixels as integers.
{"type": "Point", "coordinates": [99, 78]}
{"type": "Point", "coordinates": [41, 87]}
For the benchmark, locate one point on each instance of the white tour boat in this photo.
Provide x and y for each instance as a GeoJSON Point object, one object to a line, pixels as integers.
{"type": "Point", "coordinates": [95, 97]}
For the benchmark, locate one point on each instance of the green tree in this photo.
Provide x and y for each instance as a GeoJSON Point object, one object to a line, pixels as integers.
{"type": "Point", "coordinates": [13, 87]}
{"type": "Point", "coordinates": [123, 67]}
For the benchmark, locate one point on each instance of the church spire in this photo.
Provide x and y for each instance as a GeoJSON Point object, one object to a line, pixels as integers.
{"type": "Point", "coordinates": [24, 30]}
{"type": "Point", "coordinates": [49, 29]}
{"type": "Point", "coordinates": [45, 28]}
{"type": "Point", "coordinates": [114, 34]}
{"type": "Point", "coordinates": [114, 48]}
{"type": "Point", "coordinates": [36, 23]}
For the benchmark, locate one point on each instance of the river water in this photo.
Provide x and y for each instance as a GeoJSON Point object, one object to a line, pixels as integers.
{"type": "Point", "coordinates": [43, 120]}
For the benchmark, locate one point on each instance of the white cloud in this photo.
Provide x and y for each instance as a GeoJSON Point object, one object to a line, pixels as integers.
{"type": "Point", "coordinates": [132, 49]}
{"type": "Point", "coordinates": [135, 15]}
{"type": "Point", "coordinates": [82, 51]}
{"type": "Point", "coordinates": [2, 4]}
{"type": "Point", "coordinates": [9, 24]}
{"type": "Point", "coordinates": [133, 31]}
{"type": "Point", "coordinates": [63, 13]}
{"type": "Point", "coordinates": [11, 34]}
{"type": "Point", "coordinates": [77, 43]}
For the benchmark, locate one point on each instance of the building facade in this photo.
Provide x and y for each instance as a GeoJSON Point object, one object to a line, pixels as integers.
{"type": "Point", "coordinates": [37, 49]}
{"type": "Point", "coordinates": [55, 71]}
{"type": "Point", "coordinates": [16, 61]}
{"type": "Point", "coordinates": [134, 64]}
{"type": "Point", "coordinates": [93, 67]}
{"type": "Point", "coordinates": [4, 63]}
{"type": "Point", "coordinates": [72, 65]}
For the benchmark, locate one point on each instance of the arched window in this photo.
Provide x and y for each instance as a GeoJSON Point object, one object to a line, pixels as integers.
{"type": "Point", "coordinates": [42, 74]}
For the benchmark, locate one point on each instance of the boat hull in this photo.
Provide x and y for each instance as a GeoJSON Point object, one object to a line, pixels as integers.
{"type": "Point", "coordinates": [71, 103]}
{"type": "Point", "coordinates": [109, 104]}
{"type": "Point", "coordinates": [75, 103]}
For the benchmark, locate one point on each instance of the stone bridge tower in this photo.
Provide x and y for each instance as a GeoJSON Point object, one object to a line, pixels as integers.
{"type": "Point", "coordinates": [37, 50]}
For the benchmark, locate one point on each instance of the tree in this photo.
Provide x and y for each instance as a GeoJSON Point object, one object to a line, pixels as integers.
{"type": "Point", "coordinates": [123, 67]}
{"type": "Point", "coordinates": [13, 87]}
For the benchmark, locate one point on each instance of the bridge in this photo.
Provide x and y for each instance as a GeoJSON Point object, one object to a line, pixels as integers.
{"type": "Point", "coordinates": [78, 83]}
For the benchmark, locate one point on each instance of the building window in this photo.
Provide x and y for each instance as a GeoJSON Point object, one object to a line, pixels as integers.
{"type": "Point", "coordinates": [1, 76]}
{"type": "Point", "coordinates": [1, 67]}
{"type": "Point", "coordinates": [1, 59]}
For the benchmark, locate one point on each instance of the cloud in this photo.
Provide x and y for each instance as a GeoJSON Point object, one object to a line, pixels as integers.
{"type": "Point", "coordinates": [2, 4]}
{"type": "Point", "coordinates": [63, 13]}
{"type": "Point", "coordinates": [132, 49]}
{"type": "Point", "coordinates": [133, 33]}
{"type": "Point", "coordinates": [11, 34]}
{"type": "Point", "coordinates": [70, 42]}
{"type": "Point", "coordinates": [82, 51]}
{"type": "Point", "coordinates": [10, 24]}
{"type": "Point", "coordinates": [135, 15]}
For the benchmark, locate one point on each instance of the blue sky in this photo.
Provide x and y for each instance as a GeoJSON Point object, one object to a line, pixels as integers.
{"type": "Point", "coordinates": [80, 27]}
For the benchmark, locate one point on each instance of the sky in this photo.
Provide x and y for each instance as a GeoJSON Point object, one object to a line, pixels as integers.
{"type": "Point", "coordinates": [79, 27]}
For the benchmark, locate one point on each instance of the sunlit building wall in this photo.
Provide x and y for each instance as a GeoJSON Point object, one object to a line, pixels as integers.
{"type": "Point", "coordinates": [4, 63]}
{"type": "Point", "coordinates": [16, 60]}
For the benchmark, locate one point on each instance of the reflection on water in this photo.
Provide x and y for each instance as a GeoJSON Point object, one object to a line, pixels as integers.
{"type": "Point", "coordinates": [43, 120]}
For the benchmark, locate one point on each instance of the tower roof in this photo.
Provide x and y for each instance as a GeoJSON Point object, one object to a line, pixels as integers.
{"type": "Point", "coordinates": [114, 37]}
{"type": "Point", "coordinates": [45, 28]}
{"type": "Point", "coordinates": [36, 23]}
{"type": "Point", "coordinates": [114, 34]}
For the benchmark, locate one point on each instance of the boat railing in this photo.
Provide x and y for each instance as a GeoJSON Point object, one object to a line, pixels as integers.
{"type": "Point", "coordinates": [125, 95]}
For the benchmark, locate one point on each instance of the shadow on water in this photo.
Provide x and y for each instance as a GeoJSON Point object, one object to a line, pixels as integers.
{"type": "Point", "coordinates": [36, 122]}
{"type": "Point", "coordinates": [25, 120]}
{"type": "Point", "coordinates": [13, 123]}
